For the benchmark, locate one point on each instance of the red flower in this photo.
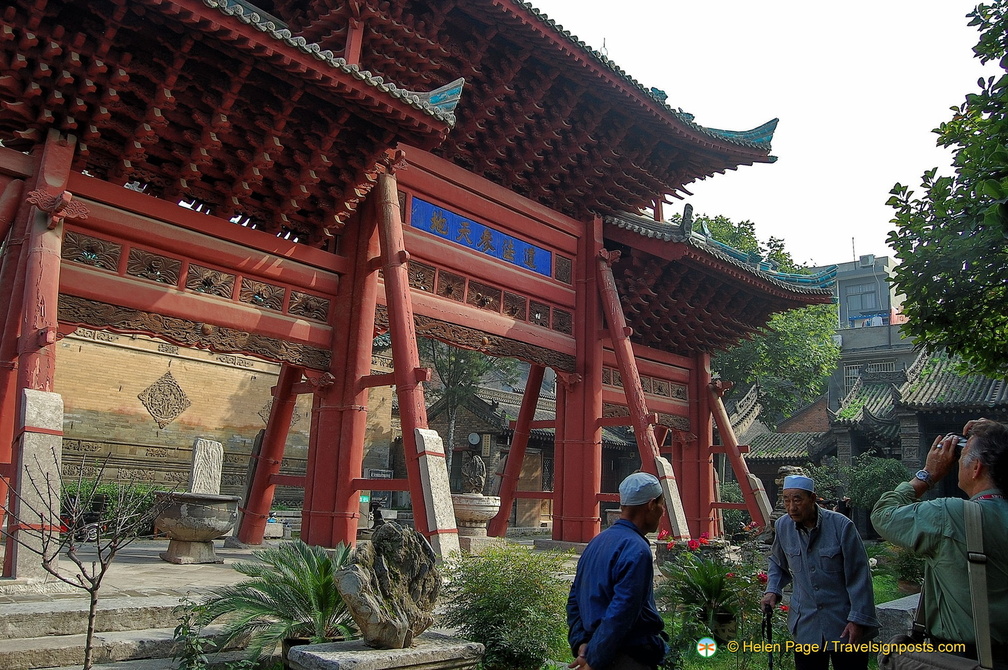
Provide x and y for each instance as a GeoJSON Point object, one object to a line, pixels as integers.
{"type": "Point", "coordinates": [664, 535]}
{"type": "Point", "coordinates": [704, 540]}
{"type": "Point", "coordinates": [693, 545]}
{"type": "Point", "coordinates": [670, 545]}
{"type": "Point", "coordinates": [704, 536]}
{"type": "Point", "coordinates": [762, 577]}
{"type": "Point", "coordinates": [784, 608]}
{"type": "Point", "coordinates": [730, 575]}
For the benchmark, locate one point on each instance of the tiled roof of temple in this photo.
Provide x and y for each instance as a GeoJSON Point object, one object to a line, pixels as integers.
{"type": "Point", "coordinates": [931, 383]}
{"type": "Point", "coordinates": [934, 382]}
{"type": "Point", "coordinates": [759, 137]}
{"type": "Point", "coordinates": [771, 446]}
{"type": "Point", "coordinates": [817, 283]}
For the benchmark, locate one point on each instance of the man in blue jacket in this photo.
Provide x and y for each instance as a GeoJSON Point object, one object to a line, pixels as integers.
{"type": "Point", "coordinates": [614, 624]}
{"type": "Point", "coordinates": [819, 552]}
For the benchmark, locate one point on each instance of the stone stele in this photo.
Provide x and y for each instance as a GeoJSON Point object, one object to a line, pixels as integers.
{"type": "Point", "coordinates": [391, 586]}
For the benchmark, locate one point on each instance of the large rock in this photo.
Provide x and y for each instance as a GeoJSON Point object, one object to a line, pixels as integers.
{"type": "Point", "coordinates": [392, 586]}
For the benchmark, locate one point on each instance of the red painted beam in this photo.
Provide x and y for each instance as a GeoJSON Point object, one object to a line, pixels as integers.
{"type": "Point", "coordinates": [102, 286]}
{"type": "Point", "coordinates": [361, 484]}
{"type": "Point", "coordinates": [438, 180]}
{"type": "Point", "coordinates": [450, 311]}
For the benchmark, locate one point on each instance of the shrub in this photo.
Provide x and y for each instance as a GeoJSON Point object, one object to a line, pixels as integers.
{"type": "Point", "coordinates": [291, 594]}
{"type": "Point", "coordinates": [103, 502]}
{"type": "Point", "coordinates": [511, 600]}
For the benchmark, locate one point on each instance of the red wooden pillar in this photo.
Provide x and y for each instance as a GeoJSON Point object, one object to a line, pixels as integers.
{"type": "Point", "coordinates": [11, 294]}
{"type": "Point", "coordinates": [530, 400]}
{"type": "Point", "coordinates": [34, 316]}
{"type": "Point", "coordinates": [582, 450]}
{"type": "Point", "coordinates": [339, 415]}
{"type": "Point", "coordinates": [698, 458]}
{"type": "Point", "coordinates": [559, 440]}
{"type": "Point", "coordinates": [405, 355]}
{"type": "Point", "coordinates": [256, 510]}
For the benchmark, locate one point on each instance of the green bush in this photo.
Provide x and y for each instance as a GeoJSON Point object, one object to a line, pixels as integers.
{"type": "Point", "coordinates": [510, 599]}
{"type": "Point", "coordinates": [104, 503]}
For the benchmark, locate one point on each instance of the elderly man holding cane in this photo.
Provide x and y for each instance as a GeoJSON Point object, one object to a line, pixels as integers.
{"type": "Point", "coordinates": [833, 605]}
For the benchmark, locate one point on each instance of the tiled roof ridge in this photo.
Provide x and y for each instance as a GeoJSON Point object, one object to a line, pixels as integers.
{"type": "Point", "coordinates": [759, 137]}
{"type": "Point", "coordinates": [510, 396]}
{"type": "Point", "coordinates": [265, 24]}
{"type": "Point", "coordinates": [667, 231]}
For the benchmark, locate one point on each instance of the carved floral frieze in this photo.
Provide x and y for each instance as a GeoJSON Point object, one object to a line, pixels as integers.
{"type": "Point", "coordinates": [154, 267]}
{"type": "Point", "coordinates": [211, 282]}
{"type": "Point", "coordinates": [261, 294]}
{"type": "Point", "coordinates": [78, 311]}
{"type": "Point", "coordinates": [91, 251]}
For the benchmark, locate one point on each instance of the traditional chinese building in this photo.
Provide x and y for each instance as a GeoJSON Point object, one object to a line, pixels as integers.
{"type": "Point", "coordinates": [286, 180]}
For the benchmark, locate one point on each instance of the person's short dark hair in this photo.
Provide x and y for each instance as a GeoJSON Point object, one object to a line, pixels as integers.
{"type": "Point", "coordinates": [990, 445]}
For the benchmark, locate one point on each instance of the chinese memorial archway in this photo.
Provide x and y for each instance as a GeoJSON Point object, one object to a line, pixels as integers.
{"type": "Point", "coordinates": [457, 169]}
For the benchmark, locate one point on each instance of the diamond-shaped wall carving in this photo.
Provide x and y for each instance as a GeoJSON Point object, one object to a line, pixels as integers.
{"type": "Point", "coordinates": [165, 400]}
{"type": "Point", "coordinates": [264, 414]}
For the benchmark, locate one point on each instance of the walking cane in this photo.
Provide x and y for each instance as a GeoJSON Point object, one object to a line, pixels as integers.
{"type": "Point", "coordinates": [767, 632]}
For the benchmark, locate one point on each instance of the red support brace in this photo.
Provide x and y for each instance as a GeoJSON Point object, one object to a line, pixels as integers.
{"type": "Point", "coordinates": [731, 446]}
{"type": "Point", "coordinates": [253, 521]}
{"type": "Point", "coordinates": [405, 355]}
{"type": "Point", "coordinates": [509, 484]}
{"type": "Point", "coordinates": [640, 417]}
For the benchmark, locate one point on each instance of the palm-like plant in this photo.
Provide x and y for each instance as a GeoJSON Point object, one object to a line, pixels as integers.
{"type": "Point", "coordinates": [705, 589]}
{"type": "Point", "coordinates": [291, 594]}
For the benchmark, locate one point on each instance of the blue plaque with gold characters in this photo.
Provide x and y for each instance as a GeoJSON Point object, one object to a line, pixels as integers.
{"type": "Point", "coordinates": [483, 239]}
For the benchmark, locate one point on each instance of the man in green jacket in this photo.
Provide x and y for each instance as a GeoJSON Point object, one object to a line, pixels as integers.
{"type": "Point", "coordinates": [936, 530]}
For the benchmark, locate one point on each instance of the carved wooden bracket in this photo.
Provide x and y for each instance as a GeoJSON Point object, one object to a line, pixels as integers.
{"type": "Point", "coordinates": [568, 379]}
{"type": "Point", "coordinates": [610, 258]}
{"type": "Point", "coordinates": [721, 386]}
{"type": "Point", "coordinates": [58, 207]}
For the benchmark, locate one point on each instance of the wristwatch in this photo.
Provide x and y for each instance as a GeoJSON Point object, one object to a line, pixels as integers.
{"type": "Point", "coordinates": [925, 477]}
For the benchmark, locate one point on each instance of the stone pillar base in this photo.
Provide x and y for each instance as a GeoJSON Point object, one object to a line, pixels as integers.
{"type": "Point", "coordinates": [430, 651]}
{"type": "Point", "coordinates": [184, 552]}
{"type": "Point", "coordinates": [475, 545]}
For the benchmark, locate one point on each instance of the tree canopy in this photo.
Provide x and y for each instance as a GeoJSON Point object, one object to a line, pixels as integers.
{"type": "Point", "coordinates": [458, 373]}
{"type": "Point", "coordinates": [792, 358]}
{"type": "Point", "coordinates": [952, 239]}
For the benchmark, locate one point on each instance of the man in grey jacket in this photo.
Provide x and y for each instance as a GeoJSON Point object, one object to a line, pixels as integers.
{"type": "Point", "coordinates": [832, 610]}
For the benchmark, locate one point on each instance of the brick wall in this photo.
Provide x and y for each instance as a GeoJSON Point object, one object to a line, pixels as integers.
{"type": "Point", "coordinates": [115, 392]}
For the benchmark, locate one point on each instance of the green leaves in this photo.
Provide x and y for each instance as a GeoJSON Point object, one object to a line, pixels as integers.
{"type": "Point", "coordinates": [510, 599]}
{"type": "Point", "coordinates": [290, 593]}
{"type": "Point", "coordinates": [950, 239]}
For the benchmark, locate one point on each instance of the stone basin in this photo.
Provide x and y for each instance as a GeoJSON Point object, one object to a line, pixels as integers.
{"type": "Point", "coordinates": [193, 521]}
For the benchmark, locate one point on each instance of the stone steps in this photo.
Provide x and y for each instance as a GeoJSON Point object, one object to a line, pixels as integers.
{"type": "Point", "coordinates": [156, 645]}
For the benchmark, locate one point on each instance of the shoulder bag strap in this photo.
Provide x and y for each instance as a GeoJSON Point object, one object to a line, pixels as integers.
{"type": "Point", "coordinates": [978, 580]}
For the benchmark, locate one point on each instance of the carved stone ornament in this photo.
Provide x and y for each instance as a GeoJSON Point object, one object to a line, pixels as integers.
{"type": "Point", "coordinates": [473, 474]}
{"type": "Point", "coordinates": [392, 586]}
{"type": "Point", "coordinates": [90, 251]}
{"type": "Point", "coordinates": [165, 400]}
{"type": "Point", "coordinates": [93, 314]}
{"type": "Point", "coordinates": [470, 338]}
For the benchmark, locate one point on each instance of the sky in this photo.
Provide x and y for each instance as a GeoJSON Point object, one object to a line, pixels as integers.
{"type": "Point", "coordinates": [858, 87]}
